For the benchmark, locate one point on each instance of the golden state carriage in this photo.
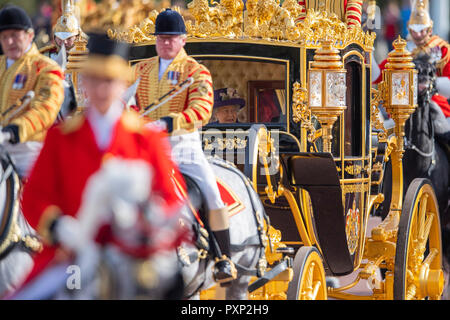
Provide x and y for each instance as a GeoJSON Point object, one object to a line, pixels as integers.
{"type": "Point", "coordinates": [311, 144]}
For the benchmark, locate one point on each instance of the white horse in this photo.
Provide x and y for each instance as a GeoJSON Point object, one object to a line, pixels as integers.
{"type": "Point", "coordinates": [119, 196]}
{"type": "Point", "coordinates": [17, 239]}
{"type": "Point", "coordinates": [246, 236]}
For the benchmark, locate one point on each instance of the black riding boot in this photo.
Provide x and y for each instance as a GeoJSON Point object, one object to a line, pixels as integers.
{"type": "Point", "coordinates": [224, 270]}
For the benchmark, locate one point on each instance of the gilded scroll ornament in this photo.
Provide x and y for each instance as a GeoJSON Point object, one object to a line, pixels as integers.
{"type": "Point", "coordinates": [262, 20]}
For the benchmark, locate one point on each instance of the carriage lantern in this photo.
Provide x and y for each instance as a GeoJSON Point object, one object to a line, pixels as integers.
{"type": "Point", "coordinates": [327, 89]}
{"type": "Point", "coordinates": [76, 57]}
{"type": "Point", "coordinates": [399, 87]}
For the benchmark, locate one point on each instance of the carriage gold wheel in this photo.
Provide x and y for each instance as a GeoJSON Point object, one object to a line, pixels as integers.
{"type": "Point", "coordinates": [309, 281]}
{"type": "Point", "coordinates": [418, 259]}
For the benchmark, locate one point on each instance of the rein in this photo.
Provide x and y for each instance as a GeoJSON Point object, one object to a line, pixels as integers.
{"type": "Point", "coordinates": [412, 146]}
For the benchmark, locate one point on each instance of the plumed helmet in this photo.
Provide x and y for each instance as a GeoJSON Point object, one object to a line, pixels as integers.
{"type": "Point", "coordinates": [13, 17]}
{"type": "Point", "coordinates": [420, 18]}
{"type": "Point", "coordinates": [169, 22]}
{"type": "Point", "coordinates": [67, 25]}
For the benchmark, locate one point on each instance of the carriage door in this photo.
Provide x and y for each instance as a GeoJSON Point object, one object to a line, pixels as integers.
{"type": "Point", "coordinates": [353, 177]}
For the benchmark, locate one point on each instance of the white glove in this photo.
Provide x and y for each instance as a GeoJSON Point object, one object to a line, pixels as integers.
{"type": "Point", "coordinates": [69, 234]}
{"type": "Point", "coordinates": [5, 137]}
{"type": "Point", "coordinates": [158, 124]}
{"type": "Point", "coordinates": [443, 86]}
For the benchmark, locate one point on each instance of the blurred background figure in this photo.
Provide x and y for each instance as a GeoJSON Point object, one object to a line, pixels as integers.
{"type": "Point", "coordinates": [392, 23]}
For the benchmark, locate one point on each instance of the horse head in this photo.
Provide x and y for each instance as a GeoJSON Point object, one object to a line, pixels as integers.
{"type": "Point", "coordinates": [426, 76]}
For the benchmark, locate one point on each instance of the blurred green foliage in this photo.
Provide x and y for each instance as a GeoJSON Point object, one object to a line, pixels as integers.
{"type": "Point", "coordinates": [30, 6]}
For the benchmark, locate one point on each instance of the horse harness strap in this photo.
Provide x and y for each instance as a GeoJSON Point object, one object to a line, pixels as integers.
{"type": "Point", "coordinates": [262, 262]}
{"type": "Point", "coordinates": [432, 153]}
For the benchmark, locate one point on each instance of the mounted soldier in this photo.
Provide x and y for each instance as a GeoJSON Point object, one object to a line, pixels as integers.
{"type": "Point", "coordinates": [66, 32]}
{"type": "Point", "coordinates": [422, 41]}
{"type": "Point", "coordinates": [79, 148]}
{"type": "Point", "coordinates": [31, 93]}
{"type": "Point", "coordinates": [182, 116]}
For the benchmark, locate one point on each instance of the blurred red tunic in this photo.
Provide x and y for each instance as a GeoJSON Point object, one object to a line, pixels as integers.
{"type": "Point", "coordinates": [70, 155]}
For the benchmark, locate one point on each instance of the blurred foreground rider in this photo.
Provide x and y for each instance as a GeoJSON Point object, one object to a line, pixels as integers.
{"type": "Point", "coordinates": [31, 90]}
{"type": "Point", "coordinates": [182, 116]}
{"type": "Point", "coordinates": [75, 150]}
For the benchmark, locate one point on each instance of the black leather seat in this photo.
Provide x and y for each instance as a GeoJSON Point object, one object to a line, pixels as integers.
{"type": "Point", "coordinates": [316, 173]}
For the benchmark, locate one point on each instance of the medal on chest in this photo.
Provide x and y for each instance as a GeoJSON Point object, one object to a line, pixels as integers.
{"type": "Point", "coordinates": [173, 77]}
{"type": "Point", "coordinates": [19, 81]}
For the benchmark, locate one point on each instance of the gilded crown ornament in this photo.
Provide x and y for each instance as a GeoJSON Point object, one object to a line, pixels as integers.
{"type": "Point", "coordinates": [264, 20]}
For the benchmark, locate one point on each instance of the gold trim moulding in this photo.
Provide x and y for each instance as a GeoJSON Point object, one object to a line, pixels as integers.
{"type": "Point", "coordinates": [269, 24]}
{"type": "Point", "coordinates": [308, 44]}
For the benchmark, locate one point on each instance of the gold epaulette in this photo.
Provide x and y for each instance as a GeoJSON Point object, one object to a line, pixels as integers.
{"type": "Point", "coordinates": [73, 124]}
{"type": "Point", "coordinates": [132, 121]}
{"type": "Point", "coordinates": [47, 48]}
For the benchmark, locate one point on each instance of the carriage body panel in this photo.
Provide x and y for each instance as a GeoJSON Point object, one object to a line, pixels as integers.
{"type": "Point", "coordinates": [255, 67]}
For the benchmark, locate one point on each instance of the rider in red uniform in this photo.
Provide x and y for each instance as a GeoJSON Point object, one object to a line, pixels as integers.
{"type": "Point", "coordinates": [76, 149]}
{"type": "Point", "coordinates": [420, 27]}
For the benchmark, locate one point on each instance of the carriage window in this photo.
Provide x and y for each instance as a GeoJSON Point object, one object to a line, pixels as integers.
{"type": "Point", "coordinates": [267, 101]}
{"type": "Point", "coordinates": [248, 91]}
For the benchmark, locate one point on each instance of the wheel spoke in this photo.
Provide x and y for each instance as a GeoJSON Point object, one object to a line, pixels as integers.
{"type": "Point", "coordinates": [431, 256]}
{"type": "Point", "coordinates": [422, 212]}
{"type": "Point", "coordinates": [309, 276]}
{"type": "Point", "coordinates": [426, 230]}
{"type": "Point", "coordinates": [315, 291]}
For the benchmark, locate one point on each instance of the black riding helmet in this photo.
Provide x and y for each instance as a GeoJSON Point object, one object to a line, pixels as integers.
{"type": "Point", "coordinates": [13, 17]}
{"type": "Point", "coordinates": [169, 22]}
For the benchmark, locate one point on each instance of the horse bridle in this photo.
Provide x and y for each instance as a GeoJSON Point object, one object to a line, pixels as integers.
{"type": "Point", "coordinates": [412, 146]}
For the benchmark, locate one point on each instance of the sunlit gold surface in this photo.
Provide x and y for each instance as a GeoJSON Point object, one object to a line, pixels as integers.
{"type": "Point", "coordinates": [263, 20]}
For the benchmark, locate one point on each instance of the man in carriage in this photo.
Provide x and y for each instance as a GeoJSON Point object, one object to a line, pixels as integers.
{"type": "Point", "coordinates": [182, 116]}
{"type": "Point", "coordinates": [80, 147]}
{"type": "Point", "coordinates": [31, 92]}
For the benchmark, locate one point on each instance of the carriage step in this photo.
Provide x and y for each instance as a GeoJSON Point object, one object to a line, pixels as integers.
{"type": "Point", "coordinates": [285, 250]}
{"type": "Point", "coordinates": [269, 275]}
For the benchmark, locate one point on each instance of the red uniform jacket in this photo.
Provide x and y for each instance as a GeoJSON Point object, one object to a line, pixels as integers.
{"type": "Point", "coordinates": [70, 156]}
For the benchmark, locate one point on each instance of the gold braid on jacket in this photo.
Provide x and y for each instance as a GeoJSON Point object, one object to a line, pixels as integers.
{"type": "Point", "coordinates": [191, 108]}
{"type": "Point", "coordinates": [32, 72]}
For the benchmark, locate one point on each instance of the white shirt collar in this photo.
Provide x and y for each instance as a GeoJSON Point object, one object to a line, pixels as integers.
{"type": "Point", "coordinates": [163, 65]}
{"type": "Point", "coordinates": [103, 124]}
